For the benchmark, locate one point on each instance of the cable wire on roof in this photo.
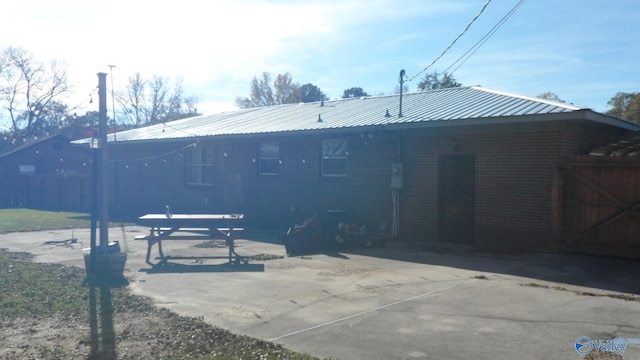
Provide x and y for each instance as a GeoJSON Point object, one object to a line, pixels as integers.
{"type": "Point", "coordinates": [453, 42]}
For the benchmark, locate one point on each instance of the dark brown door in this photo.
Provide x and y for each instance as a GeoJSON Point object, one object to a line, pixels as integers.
{"type": "Point", "coordinates": [456, 198]}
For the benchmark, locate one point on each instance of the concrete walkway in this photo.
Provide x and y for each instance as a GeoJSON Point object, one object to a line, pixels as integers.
{"type": "Point", "coordinates": [381, 303]}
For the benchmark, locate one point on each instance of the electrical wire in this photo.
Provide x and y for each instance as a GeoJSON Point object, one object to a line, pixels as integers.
{"type": "Point", "coordinates": [158, 156]}
{"type": "Point", "coordinates": [89, 98]}
{"type": "Point", "coordinates": [453, 42]}
{"type": "Point", "coordinates": [484, 39]}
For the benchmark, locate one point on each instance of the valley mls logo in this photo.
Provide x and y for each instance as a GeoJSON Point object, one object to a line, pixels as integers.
{"type": "Point", "coordinates": [585, 345]}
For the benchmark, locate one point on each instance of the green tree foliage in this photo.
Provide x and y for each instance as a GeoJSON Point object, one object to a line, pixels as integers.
{"type": "Point", "coordinates": [625, 106]}
{"type": "Point", "coordinates": [31, 91]}
{"type": "Point", "coordinates": [283, 90]}
{"type": "Point", "coordinates": [354, 92]}
{"type": "Point", "coordinates": [435, 80]}
{"type": "Point", "coordinates": [311, 93]}
{"type": "Point", "coordinates": [80, 126]}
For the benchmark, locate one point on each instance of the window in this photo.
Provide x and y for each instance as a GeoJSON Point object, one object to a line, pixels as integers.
{"type": "Point", "coordinates": [269, 159]}
{"type": "Point", "coordinates": [200, 165]}
{"type": "Point", "coordinates": [334, 157]}
{"type": "Point", "coordinates": [27, 169]}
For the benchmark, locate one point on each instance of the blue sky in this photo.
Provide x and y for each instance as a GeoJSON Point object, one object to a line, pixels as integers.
{"type": "Point", "coordinates": [583, 50]}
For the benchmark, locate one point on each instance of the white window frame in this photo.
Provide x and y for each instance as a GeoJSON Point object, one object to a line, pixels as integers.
{"type": "Point", "coordinates": [269, 158]}
{"type": "Point", "coordinates": [200, 165]}
{"type": "Point", "coordinates": [334, 154]}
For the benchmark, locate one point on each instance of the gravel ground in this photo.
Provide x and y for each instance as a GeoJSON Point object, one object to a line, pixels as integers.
{"type": "Point", "coordinates": [104, 322]}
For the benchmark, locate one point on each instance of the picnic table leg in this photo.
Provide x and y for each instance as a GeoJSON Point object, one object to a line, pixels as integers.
{"type": "Point", "coordinates": [232, 248]}
{"type": "Point", "coordinates": [150, 241]}
{"type": "Point", "coordinates": [154, 238]}
{"type": "Point", "coordinates": [149, 245]}
{"type": "Point", "coordinates": [160, 250]}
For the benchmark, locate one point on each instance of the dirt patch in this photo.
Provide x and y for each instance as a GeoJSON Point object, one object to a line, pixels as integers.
{"type": "Point", "coordinates": [154, 334]}
{"type": "Point", "coordinates": [47, 311]}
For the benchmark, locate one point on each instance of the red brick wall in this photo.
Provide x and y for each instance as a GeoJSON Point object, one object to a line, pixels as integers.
{"type": "Point", "coordinates": [513, 184]}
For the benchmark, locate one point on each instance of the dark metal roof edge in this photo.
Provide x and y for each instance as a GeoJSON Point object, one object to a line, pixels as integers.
{"type": "Point", "coordinates": [577, 115]}
{"type": "Point", "coordinates": [610, 120]}
{"type": "Point", "coordinates": [32, 143]}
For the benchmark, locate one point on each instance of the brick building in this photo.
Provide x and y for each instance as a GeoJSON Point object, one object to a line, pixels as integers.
{"type": "Point", "coordinates": [466, 165]}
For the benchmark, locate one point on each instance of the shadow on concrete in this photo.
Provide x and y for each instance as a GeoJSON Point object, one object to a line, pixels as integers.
{"type": "Point", "coordinates": [605, 273]}
{"type": "Point", "coordinates": [175, 267]}
{"type": "Point", "coordinates": [599, 272]}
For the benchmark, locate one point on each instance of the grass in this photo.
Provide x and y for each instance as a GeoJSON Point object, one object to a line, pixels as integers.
{"type": "Point", "coordinates": [13, 220]}
{"type": "Point", "coordinates": [21, 219]}
{"type": "Point", "coordinates": [38, 290]}
{"type": "Point", "coordinates": [34, 293]}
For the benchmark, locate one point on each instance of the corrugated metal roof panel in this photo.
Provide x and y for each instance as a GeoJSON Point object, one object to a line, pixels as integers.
{"type": "Point", "coordinates": [421, 107]}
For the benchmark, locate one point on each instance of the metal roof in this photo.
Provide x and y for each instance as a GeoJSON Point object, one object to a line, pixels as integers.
{"type": "Point", "coordinates": [428, 108]}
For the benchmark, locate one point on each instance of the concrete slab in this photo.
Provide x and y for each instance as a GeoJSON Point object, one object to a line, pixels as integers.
{"type": "Point", "coordinates": [381, 303]}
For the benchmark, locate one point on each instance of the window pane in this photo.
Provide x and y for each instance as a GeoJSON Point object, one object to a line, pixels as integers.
{"type": "Point", "coordinates": [334, 148]}
{"type": "Point", "coordinates": [193, 174]}
{"type": "Point", "coordinates": [269, 167]}
{"type": "Point", "coordinates": [207, 155]}
{"type": "Point", "coordinates": [200, 165]}
{"type": "Point", "coordinates": [269, 150]}
{"type": "Point", "coordinates": [193, 155]}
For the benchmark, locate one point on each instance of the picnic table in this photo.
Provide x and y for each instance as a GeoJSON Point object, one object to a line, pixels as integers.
{"type": "Point", "coordinates": [198, 226]}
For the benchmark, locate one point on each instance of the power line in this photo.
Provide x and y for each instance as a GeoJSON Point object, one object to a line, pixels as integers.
{"type": "Point", "coordinates": [89, 99]}
{"type": "Point", "coordinates": [157, 156]}
{"type": "Point", "coordinates": [484, 39]}
{"type": "Point", "coordinates": [453, 42]}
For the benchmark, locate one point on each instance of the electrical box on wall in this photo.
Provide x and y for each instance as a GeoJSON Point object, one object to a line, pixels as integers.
{"type": "Point", "coordinates": [396, 175]}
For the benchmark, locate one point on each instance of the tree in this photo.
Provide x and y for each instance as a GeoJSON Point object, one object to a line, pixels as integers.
{"type": "Point", "coordinates": [287, 92]}
{"type": "Point", "coordinates": [550, 96]}
{"type": "Point", "coordinates": [284, 91]}
{"type": "Point", "coordinates": [31, 91]}
{"type": "Point", "coordinates": [154, 101]}
{"type": "Point", "coordinates": [625, 106]}
{"type": "Point", "coordinates": [261, 93]}
{"type": "Point", "coordinates": [80, 126]}
{"type": "Point", "coordinates": [311, 93]}
{"type": "Point", "coordinates": [435, 80]}
{"type": "Point", "coordinates": [354, 92]}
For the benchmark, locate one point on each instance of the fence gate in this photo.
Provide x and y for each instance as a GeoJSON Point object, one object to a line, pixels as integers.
{"type": "Point", "coordinates": [600, 206]}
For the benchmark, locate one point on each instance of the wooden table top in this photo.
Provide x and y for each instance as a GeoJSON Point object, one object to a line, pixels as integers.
{"type": "Point", "coordinates": [191, 217]}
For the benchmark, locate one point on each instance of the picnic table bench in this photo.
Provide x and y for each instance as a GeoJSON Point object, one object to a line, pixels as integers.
{"type": "Point", "coordinates": [199, 226]}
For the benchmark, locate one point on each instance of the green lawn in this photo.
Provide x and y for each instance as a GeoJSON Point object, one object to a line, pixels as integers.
{"type": "Point", "coordinates": [12, 220]}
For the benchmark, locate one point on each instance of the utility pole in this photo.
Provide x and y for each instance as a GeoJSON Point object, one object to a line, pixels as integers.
{"type": "Point", "coordinates": [103, 129]}
{"type": "Point", "coordinates": [401, 81]}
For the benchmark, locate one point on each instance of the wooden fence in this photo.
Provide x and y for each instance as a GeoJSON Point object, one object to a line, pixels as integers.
{"type": "Point", "coordinates": [597, 205]}
{"type": "Point", "coordinates": [53, 192]}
